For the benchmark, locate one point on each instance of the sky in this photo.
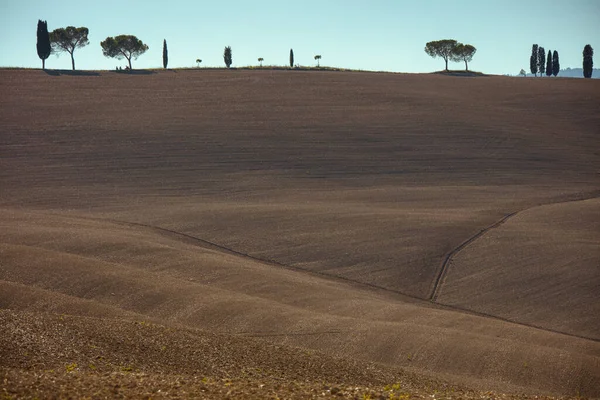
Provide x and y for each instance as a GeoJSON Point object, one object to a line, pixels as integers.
{"type": "Point", "coordinates": [379, 35]}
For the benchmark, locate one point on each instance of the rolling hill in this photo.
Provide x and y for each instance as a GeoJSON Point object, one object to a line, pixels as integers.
{"type": "Point", "coordinates": [356, 229]}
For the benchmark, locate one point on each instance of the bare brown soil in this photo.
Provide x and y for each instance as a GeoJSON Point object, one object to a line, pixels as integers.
{"type": "Point", "coordinates": [542, 255]}
{"type": "Point", "coordinates": [289, 212]}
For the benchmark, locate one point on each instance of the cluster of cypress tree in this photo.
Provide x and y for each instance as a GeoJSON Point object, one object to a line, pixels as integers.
{"type": "Point", "coordinates": [538, 62]}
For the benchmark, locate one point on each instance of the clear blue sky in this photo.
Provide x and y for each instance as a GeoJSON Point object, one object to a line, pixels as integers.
{"type": "Point", "coordinates": [363, 34]}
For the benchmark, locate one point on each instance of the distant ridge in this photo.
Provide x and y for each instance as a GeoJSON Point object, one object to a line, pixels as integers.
{"type": "Point", "coordinates": [575, 73]}
{"type": "Point", "coordinates": [578, 73]}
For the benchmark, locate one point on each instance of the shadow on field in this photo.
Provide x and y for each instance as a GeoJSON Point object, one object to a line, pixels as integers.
{"type": "Point", "coordinates": [58, 72]}
{"type": "Point", "coordinates": [134, 72]}
{"type": "Point", "coordinates": [468, 74]}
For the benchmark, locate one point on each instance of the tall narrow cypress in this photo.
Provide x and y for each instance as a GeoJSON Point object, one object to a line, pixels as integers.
{"type": "Point", "coordinates": [43, 42]}
{"type": "Point", "coordinates": [588, 61]}
{"type": "Point", "coordinates": [541, 61]}
{"type": "Point", "coordinates": [291, 58]}
{"type": "Point", "coordinates": [533, 64]}
{"type": "Point", "coordinates": [227, 57]}
{"type": "Point", "coordinates": [165, 54]}
{"type": "Point", "coordinates": [549, 64]}
{"type": "Point", "coordinates": [555, 63]}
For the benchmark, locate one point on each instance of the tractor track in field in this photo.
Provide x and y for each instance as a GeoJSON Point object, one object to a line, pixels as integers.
{"type": "Point", "coordinates": [447, 261]}
{"type": "Point", "coordinates": [439, 279]}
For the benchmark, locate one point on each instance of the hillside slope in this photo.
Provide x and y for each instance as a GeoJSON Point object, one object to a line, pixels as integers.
{"type": "Point", "coordinates": [314, 209]}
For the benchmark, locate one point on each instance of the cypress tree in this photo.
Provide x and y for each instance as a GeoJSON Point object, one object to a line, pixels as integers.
{"type": "Point", "coordinates": [165, 54]}
{"type": "Point", "coordinates": [291, 58]}
{"type": "Point", "coordinates": [43, 42]}
{"type": "Point", "coordinates": [555, 63]}
{"type": "Point", "coordinates": [588, 61]}
{"type": "Point", "coordinates": [541, 60]}
{"type": "Point", "coordinates": [227, 57]}
{"type": "Point", "coordinates": [533, 60]}
{"type": "Point", "coordinates": [549, 65]}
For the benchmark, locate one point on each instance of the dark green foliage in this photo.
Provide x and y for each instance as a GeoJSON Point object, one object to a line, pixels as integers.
{"type": "Point", "coordinates": [68, 39]}
{"type": "Point", "coordinates": [464, 52]}
{"type": "Point", "coordinates": [555, 63]}
{"type": "Point", "coordinates": [549, 64]}
{"type": "Point", "coordinates": [123, 46]}
{"type": "Point", "coordinates": [533, 64]}
{"type": "Point", "coordinates": [227, 56]}
{"type": "Point", "coordinates": [541, 61]}
{"type": "Point", "coordinates": [43, 42]}
{"type": "Point", "coordinates": [291, 58]}
{"type": "Point", "coordinates": [442, 48]}
{"type": "Point", "coordinates": [165, 54]}
{"type": "Point", "coordinates": [588, 61]}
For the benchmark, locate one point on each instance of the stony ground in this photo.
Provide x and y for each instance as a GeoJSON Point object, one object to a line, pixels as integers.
{"type": "Point", "coordinates": [62, 356]}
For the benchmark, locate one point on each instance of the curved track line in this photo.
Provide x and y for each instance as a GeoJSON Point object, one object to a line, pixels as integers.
{"type": "Point", "coordinates": [435, 291]}
{"type": "Point", "coordinates": [446, 262]}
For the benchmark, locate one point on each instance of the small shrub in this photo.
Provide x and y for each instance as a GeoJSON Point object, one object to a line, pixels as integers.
{"type": "Point", "coordinates": [71, 367]}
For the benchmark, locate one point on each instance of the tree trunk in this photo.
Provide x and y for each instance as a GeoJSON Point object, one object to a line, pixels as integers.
{"type": "Point", "coordinates": [72, 62]}
{"type": "Point", "coordinates": [129, 59]}
{"type": "Point", "coordinates": [445, 59]}
{"type": "Point", "coordinates": [466, 66]}
{"type": "Point", "coordinates": [43, 64]}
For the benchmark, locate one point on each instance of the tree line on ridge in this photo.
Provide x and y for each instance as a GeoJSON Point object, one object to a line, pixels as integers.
{"type": "Point", "coordinates": [130, 47]}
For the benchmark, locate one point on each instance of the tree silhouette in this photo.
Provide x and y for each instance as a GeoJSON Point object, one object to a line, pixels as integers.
{"type": "Point", "coordinates": [227, 56]}
{"type": "Point", "coordinates": [43, 42]}
{"type": "Point", "coordinates": [464, 52]}
{"type": "Point", "coordinates": [291, 58]}
{"type": "Point", "coordinates": [555, 63]}
{"type": "Point", "coordinates": [541, 60]}
{"type": "Point", "coordinates": [68, 39]}
{"type": "Point", "coordinates": [549, 64]}
{"type": "Point", "coordinates": [198, 61]}
{"type": "Point", "coordinates": [523, 73]}
{"type": "Point", "coordinates": [588, 61]}
{"type": "Point", "coordinates": [441, 48]}
{"type": "Point", "coordinates": [123, 46]}
{"type": "Point", "coordinates": [533, 64]}
{"type": "Point", "coordinates": [318, 58]}
{"type": "Point", "coordinates": [165, 54]}
{"type": "Point", "coordinates": [260, 60]}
